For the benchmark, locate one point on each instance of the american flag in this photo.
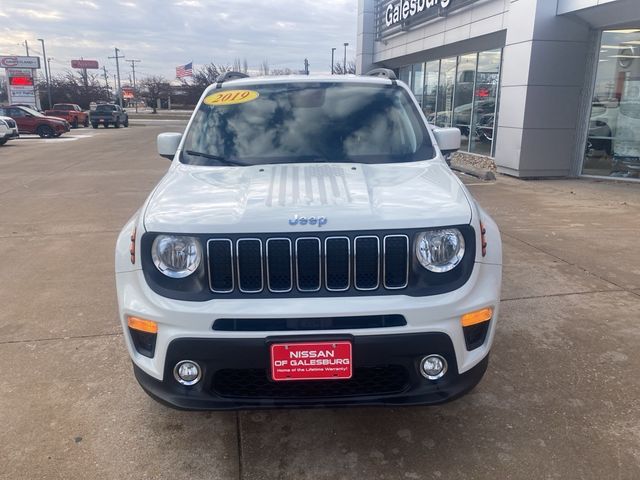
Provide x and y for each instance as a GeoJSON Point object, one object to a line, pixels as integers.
{"type": "Point", "coordinates": [185, 70]}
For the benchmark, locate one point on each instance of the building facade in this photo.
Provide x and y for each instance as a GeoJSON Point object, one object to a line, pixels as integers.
{"type": "Point", "coordinates": [549, 88]}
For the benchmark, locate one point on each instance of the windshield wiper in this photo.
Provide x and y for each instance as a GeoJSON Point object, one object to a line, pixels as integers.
{"type": "Point", "coordinates": [216, 157]}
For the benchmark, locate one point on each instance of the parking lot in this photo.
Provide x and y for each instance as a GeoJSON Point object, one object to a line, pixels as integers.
{"type": "Point", "coordinates": [561, 398]}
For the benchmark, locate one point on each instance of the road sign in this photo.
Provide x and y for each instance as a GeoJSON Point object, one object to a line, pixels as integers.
{"type": "Point", "coordinates": [19, 62]}
{"type": "Point", "coordinates": [87, 64]}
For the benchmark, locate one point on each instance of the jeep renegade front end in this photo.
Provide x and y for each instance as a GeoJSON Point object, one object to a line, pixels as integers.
{"type": "Point", "coordinates": [308, 246]}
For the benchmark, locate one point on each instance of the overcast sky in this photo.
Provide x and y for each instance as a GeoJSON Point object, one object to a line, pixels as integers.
{"type": "Point", "coordinates": [166, 33]}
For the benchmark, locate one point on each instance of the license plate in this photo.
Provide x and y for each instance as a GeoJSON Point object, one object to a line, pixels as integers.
{"type": "Point", "coordinates": [311, 361]}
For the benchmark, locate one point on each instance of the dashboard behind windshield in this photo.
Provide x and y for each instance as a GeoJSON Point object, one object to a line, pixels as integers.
{"type": "Point", "coordinates": [307, 122]}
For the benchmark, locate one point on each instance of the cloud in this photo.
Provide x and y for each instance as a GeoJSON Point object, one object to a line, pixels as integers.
{"type": "Point", "coordinates": [166, 33]}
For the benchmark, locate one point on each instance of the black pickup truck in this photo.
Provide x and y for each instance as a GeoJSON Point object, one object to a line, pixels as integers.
{"type": "Point", "coordinates": [109, 114]}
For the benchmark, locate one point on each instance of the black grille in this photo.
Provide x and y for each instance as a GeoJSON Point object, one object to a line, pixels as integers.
{"type": "Point", "coordinates": [249, 257]}
{"type": "Point", "coordinates": [279, 265]}
{"type": "Point", "coordinates": [396, 268]}
{"type": "Point", "coordinates": [221, 265]}
{"type": "Point", "coordinates": [254, 383]}
{"type": "Point", "coordinates": [308, 264]}
{"type": "Point", "coordinates": [337, 263]}
{"type": "Point", "coordinates": [318, 323]}
{"type": "Point", "coordinates": [367, 262]}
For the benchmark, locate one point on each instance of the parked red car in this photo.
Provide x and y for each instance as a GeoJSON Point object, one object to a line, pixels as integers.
{"type": "Point", "coordinates": [30, 121]}
{"type": "Point", "coordinates": [70, 112]}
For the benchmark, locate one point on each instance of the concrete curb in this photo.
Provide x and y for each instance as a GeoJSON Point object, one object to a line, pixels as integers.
{"type": "Point", "coordinates": [481, 173]}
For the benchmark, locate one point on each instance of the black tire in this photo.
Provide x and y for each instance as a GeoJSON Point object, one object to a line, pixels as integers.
{"type": "Point", "coordinates": [117, 124]}
{"type": "Point", "coordinates": [126, 123]}
{"type": "Point", "coordinates": [106, 124]}
{"type": "Point", "coordinates": [3, 141]}
{"type": "Point", "coordinates": [45, 131]}
{"type": "Point", "coordinates": [74, 123]}
{"type": "Point", "coordinates": [94, 125]}
{"type": "Point", "coordinates": [86, 122]}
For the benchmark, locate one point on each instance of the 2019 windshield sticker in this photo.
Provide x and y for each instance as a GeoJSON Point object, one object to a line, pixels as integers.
{"type": "Point", "coordinates": [231, 97]}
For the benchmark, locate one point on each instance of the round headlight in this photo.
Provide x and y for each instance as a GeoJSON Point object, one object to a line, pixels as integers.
{"type": "Point", "coordinates": [176, 256]}
{"type": "Point", "coordinates": [440, 250]}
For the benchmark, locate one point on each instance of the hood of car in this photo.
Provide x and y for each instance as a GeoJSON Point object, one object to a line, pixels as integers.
{"type": "Point", "coordinates": [54, 119]}
{"type": "Point", "coordinates": [306, 197]}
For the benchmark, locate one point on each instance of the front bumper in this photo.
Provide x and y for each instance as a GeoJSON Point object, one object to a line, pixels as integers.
{"type": "Point", "coordinates": [386, 372]}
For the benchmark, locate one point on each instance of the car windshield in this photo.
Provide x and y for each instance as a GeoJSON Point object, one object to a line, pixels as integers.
{"type": "Point", "coordinates": [105, 108]}
{"type": "Point", "coordinates": [32, 112]}
{"type": "Point", "coordinates": [307, 122]}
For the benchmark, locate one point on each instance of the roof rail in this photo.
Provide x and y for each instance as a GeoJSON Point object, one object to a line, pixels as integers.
{"type": "Point", "coordinates": [227, 76]}
{"type": "Point", "coordinates": [382, 72]}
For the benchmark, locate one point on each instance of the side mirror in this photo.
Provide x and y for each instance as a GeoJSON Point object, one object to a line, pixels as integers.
{"type": "Point", "coordinates": [448, 139]}
{"type": "Point", "coordinates": [168, 144]}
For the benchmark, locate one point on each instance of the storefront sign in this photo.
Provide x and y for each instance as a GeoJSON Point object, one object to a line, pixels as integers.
{"type": "Point", "coordinates": [19, 62]}
{"type": "Point", "coordinates": [395, 16]}
{"type": "Point", "coordinates": [404, 9]}
{"type": "Point", "coordinates": [85, 64]}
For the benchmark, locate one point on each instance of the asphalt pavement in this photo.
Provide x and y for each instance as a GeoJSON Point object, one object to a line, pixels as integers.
{"type": "Point", "coordinates": [561, 397]}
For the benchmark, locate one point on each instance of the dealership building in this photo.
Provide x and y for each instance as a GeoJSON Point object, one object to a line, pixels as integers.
{"type": "Point", "coordinates": [548, 88]}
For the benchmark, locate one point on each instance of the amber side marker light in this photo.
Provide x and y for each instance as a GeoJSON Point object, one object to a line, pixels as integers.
{"type": "Point", "coordinates": [142, 325]}
{"type": "Point", "coordinates": [479, 316]}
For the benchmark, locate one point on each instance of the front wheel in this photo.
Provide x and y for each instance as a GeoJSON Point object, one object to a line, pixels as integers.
{"type": "Point", "coordinates": [106, 124]}
{"type": "Point", "coordinates": [74, 123]}
{"type": "Point", "coordinates": [45, 131]}
{"type": "Point", "coordinates": [86, 123]}
{"type": "Point", "coordinates": [3, 141]}
{"type": "Point", "coordinates": [126, 123]}
{"type": "Point", "coordinates": [94, 125]}
{"type": "Point", "coordinates": [117, 124]}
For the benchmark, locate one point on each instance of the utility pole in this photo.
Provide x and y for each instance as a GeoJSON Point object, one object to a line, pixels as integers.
{"type": "Point", "coordinates": [135, 93]}
{"type": "Point", "coordinates": [118, 57]}
{"type": "Point", "coordinates": [306, 66]}
{"type": "Point", "coordinates": [345, 57]}
{"type": "Point", "coordinates": [333, 52]}
{"type": "Point", "coordinates": [46, 72]}
{"type": "Point", "coordinates": [26, 46]}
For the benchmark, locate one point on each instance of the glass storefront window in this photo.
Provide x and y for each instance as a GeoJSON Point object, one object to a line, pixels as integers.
{"type": "Point", "coordinates": [613, 142]}
{"type": "Point", "coordinates": [431, 71]}
{"type": "Point", "coordinates": [461, 92]}
{"type": "Point", "coordinates": [463, 101]}
{"type": "Point", "coordinates": [417, 82]}
{"type": "Point", "coordinates": [446, 85]}
{"type": "Point", "coordinates": [485, 97]}
{"type": "Point", "coordinates": [404, 75]}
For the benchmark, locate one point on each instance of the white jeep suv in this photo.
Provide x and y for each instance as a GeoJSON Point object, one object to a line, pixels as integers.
{"type": "Point", "coordinates": [308, 246]}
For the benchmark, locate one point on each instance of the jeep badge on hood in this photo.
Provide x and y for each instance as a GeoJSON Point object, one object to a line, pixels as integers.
{"type": "Point", "coordinates": [319, 221]}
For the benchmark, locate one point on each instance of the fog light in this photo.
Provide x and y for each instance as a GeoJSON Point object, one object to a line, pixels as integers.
{"type": "Point", "coordinates": [433, 367]}
{"type": "Point", "coordinates": [187, 372]}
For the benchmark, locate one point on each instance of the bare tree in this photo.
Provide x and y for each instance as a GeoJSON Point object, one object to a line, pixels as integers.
{"type": "Point", "coordinates": [154, 88]}
{"type": "Point", "coordinates": [338, 68]}
{"type": "Point", "coordinates": [282, 71]}
{"type": "Point", "coordinates": [264, 68]}
{"type": "Point", "coordinates": [74, 87]}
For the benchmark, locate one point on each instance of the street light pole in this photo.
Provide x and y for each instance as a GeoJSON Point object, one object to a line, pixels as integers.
{"type": "Point", "coordinates": [333, 51]}
{"type": "Point", "coordinates": [345, 57]}
{"type": "Point", "coordinates": [26, 46]}
{"type": "Point", "coordinates": [47, 72]}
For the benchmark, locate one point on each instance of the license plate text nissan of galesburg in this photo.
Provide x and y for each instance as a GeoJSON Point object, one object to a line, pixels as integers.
{"type": "Point", "coordinates": [308, 246]}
